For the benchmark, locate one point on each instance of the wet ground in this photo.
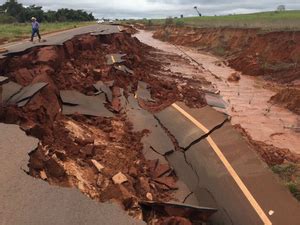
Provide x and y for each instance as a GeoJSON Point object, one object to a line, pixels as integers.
{"type": "Point", "coordinates": [126, 123]}
{"type": "Point", "coordinates": [247, 99]}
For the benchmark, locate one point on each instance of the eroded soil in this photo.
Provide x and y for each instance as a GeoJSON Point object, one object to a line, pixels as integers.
{"type": "Point", "coordinates": [100, 156]}
{"type": "Point", "coordinates": [248, 101]}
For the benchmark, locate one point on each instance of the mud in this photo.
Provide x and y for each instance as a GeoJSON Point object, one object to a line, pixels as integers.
{"type": "Point", "coordinates": [273, 55]}
{"type": "Point", "coordinates": [289, 98]}
{"type": "Point", "coordinates": [269, 153]}
{"type": "Point", "coordinates": [247, 99]}
{"type": "Point", "coordinates": [71, 146]}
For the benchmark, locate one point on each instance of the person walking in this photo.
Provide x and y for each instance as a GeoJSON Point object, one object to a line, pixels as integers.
{"type": "Point", "coordinates": [35, 28]}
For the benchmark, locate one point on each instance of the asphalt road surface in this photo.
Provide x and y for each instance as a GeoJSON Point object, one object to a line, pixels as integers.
{"type": "Point", "coordinates": [217, 165]}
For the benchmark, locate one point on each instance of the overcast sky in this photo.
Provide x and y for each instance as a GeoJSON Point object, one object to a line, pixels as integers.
{"type": "Point", "coordinates": [162, 8]}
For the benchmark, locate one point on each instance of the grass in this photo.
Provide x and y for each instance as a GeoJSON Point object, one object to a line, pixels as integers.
{"type": "Point", "coordinates": [290, 174]}
{"type": "Point", "coordinates": [287, 20]}
{"type": "Point", "coordinates": [17, 31]}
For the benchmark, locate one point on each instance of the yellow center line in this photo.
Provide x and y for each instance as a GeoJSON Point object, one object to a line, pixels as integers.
{"type": "Point", "coordinates": [228, 166]}
{"type": "Point", "coordinates": [113, 58]}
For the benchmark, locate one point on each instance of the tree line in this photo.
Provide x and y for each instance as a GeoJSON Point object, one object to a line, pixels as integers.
{"type": "Point", "coordinates": [12, 11]}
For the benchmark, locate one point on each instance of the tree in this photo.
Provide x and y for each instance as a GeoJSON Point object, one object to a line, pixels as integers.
{"type": "Point", "coordinates": [12, 8]}
{"type": "Point", "coordinates": [281, 8]}
{"type": "Point", "coordinates": [14, 11]}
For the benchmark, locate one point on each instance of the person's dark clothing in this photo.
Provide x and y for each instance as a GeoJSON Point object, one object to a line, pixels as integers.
{"type": "Point", "coordinates": [35, 30]}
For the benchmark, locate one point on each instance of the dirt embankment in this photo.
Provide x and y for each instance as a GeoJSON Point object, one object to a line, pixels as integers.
{"type": "Point", "coordinates": [289, 98]}
{"type": "Point", "coordinates": [274, 55]}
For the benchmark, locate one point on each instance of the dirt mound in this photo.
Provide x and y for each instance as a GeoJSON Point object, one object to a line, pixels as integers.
{"type": "Point", "coordinates": [234, 77]}
{"type": "Point", "coordinates": [272, 55]}
{"type": "Point", "coordinates": [269, 153]}
{"type": "Point", "coordinates": [289, 98]}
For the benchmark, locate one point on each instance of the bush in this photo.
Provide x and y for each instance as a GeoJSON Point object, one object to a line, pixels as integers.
{"type": "Point", "coordinates": [7, 19]}
{"type": "Point", "coordinates": [169, 21]}
{"type": "Point", "coordinates": [149, 23]}
{"type": "Point", "coordinates": [179, 23]}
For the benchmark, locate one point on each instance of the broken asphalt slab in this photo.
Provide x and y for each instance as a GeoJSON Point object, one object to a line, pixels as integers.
{"type": "Point", "coordinates": [102, 87]}
{"type": "Point", "coordinates": [13, 93]}
{"type": "Point", "coordinates": [124, 69]}
{"type": "Point", "coordinates": [185, 132]}
{"type": "Point", "coordinates": [114, 58]}
{"type": "Point", "coordinates": [215, 100]}
{"type": "Point", "coordinates": [76, 102]}
{"type": "Point", "coordinates": [27, 92]}
{"type": "Point", "coordinates": [220, 159]}
{"type": "Point", "coordinates": [8, 90]}
{"type": "Point", "coordinates": [143, 92]}
{"type": "Point", "coordinates": [26, 200]}
{"type": "Point", "coordinates": [141, 119]}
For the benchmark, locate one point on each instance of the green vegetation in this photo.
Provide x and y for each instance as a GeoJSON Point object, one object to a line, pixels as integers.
{"type": "Point", "coordinates": [290, 174]}
{"type": "Point", "coordinates": [15, 20]}
{"type": "Point", "coordinates": [284, 20]}
{"type": "Point", "coordinates": [13, 32]}
{"type": "Point", "coordinates": [12, 11]}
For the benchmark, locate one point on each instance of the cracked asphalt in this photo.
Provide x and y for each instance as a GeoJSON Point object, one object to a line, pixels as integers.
{"type": "Point", "coordinates": [215, 166]}
{"type": "Point", "coordinates": [26, 200]}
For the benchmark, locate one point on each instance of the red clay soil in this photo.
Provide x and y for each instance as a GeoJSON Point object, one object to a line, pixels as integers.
{"type": "Point", "coordinates": [269, 153]}
{"type": "Point", "coordinates": [289, 98]}
{"type": "Point", "coordinates": [274, 55]}
{"type": "Point", "coordinates": [68, 144]}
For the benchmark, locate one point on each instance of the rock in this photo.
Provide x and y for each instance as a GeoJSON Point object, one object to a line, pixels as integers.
{"type": "Point", "coordinates": [168, 182]}
{"type": "Point", "coordinates": [119, 178]}
{"type": "Point", "coordinates": [98, 166]}
{"type": "Point", "coordinates": [54, 168]}
{"type": "Point", "coordinates": [81, 186]}
{"type": "Point", "coordinates": [179, 88]}
{"type": "Point", "coordinates": [43, 175]}
{"type": "Point", "coordinates": [117, 192]}
{"type": "Point", "coordinates": [234, 77]}
{"type": "Point", "coordinates": [102, 182]}
{"type": "Point", "coordinates": [84, 141]}
{"type": "Point", "coordinates": [97, 72]}
{"type": "Point", "coordinates": [87, 151]}
{"type": "Point", "coordinates": [116, 104]}
{"type": "Point", "coordinates": [61, 154]}
{"type": "Point", "coordinates": [130, 203]}
{"type": "Point", "coordinates": [133, 172]}
{"type": "Point", "coordinates": [149, 196]}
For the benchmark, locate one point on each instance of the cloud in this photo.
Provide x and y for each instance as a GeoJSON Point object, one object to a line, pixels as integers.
{"type": "Point", "coordinates": [162, 8]}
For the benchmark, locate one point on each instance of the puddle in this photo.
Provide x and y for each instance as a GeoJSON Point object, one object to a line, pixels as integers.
{"type": "Point", "coordinates": [247, 99]}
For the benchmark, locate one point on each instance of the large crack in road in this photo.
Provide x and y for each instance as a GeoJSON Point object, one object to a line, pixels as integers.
{"type": "Point", "coordinates": [92, 130]}
{"type": "Point", "coordinates": [114, 122]}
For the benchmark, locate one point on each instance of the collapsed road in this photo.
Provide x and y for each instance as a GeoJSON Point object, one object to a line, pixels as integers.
{"type": "Point", "coordinates": [106, 118]}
